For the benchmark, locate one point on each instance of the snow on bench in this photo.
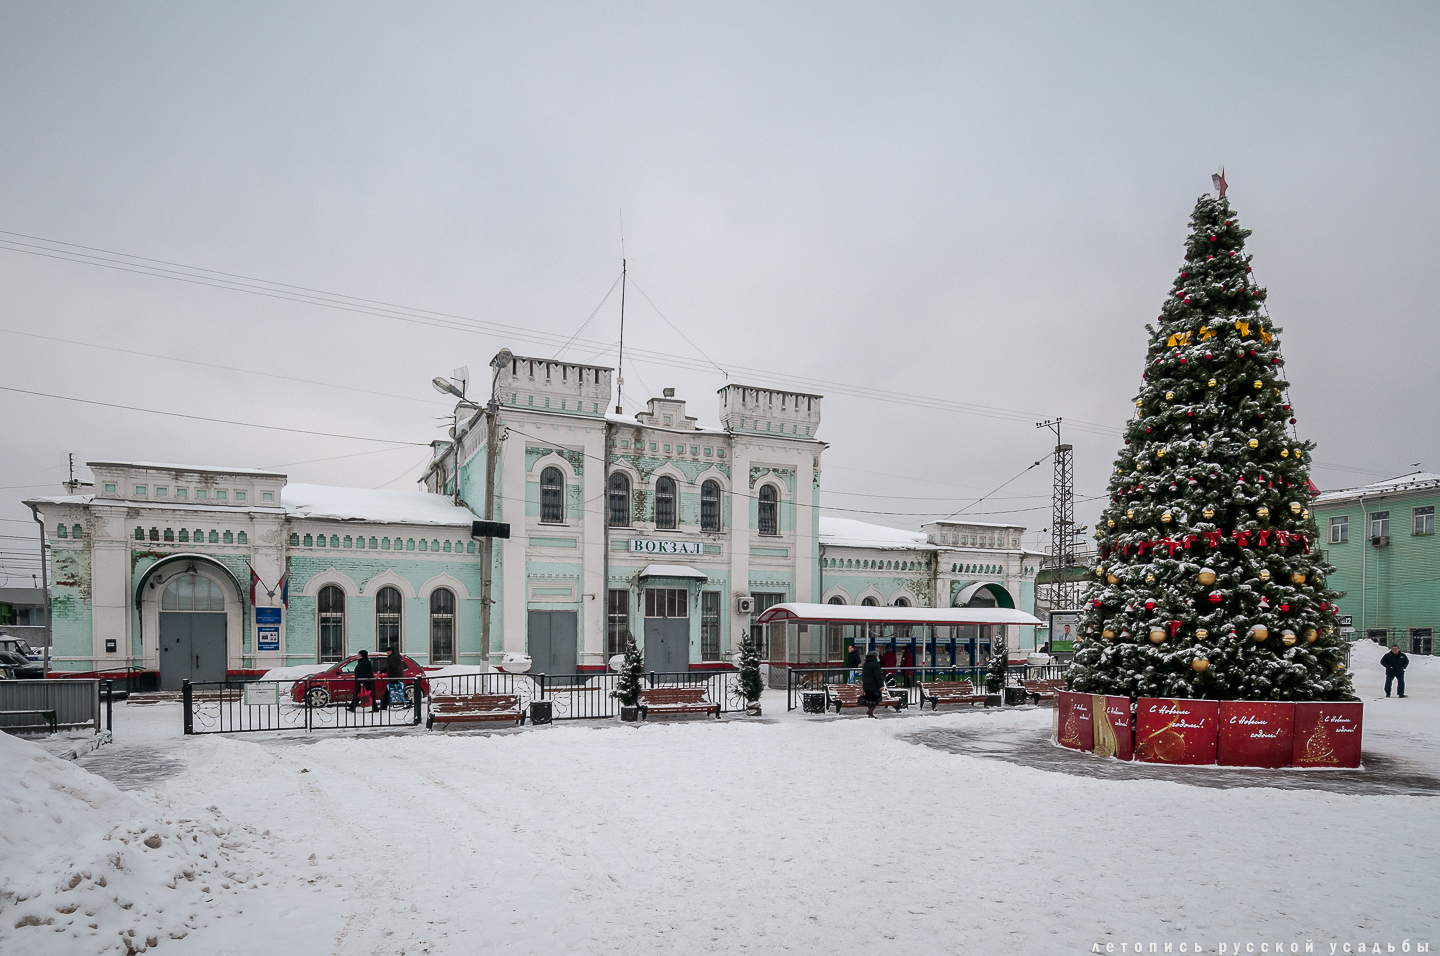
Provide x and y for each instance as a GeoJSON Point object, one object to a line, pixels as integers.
{"type": "Point", "coordinates": [849, 695]}
{"type": "Point", "coordinates": [463, 708]}
{"type": "Point", "coordinates": [676, 700]}
{"type": "Point", "coordinates": [1043, 689]}
{"type": "Point", "coordinates": [949, 692]}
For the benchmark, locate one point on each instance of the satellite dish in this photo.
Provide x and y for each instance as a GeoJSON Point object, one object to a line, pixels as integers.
{"type": "Point", "coordinates": [462, 375]}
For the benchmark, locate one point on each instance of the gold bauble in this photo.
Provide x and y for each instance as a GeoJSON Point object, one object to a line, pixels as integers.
{"type": "Point", "coordinates": [1167, 517]}
{"type": "Point", "coordinates": [1160, 453]}
{"type": "Point", "coordinates": [1262, 512]}
{"type": "Point", "coordinates": [1264, 574]}
{"type": "Point", "coordinates": [1209, 512]}
{"type": "Point", "coordinates": [1295, 507]}
{"type": "Point", "coordinates": [1298, 577]}
{"type": "Point", "coordinates": [1169, 396]}
{"type": "Point", "coordinates": [1130, 513]}
{"type": "Point", "coordinates": [1201, 634]}
{"type": "Point", "coordinates": [1111, 579]}
{"type": "Point", "coordinates": [1108, 634]}
{"type": "Point", "coordinates": [1139, 403]}
{"type": "Point", "coordinates": [1305, 513]}
{"type": "Point", "coordinates": [1296, 453]}
{"type": "Point", "coordinates": [1287, 638]}
{"type": "Point", "coordinates": [1149, 579]}
{"type": "Point", "coordinates": [1310, 636]}
{"type": "Point", "coordinates": [1259, 633]}
{"type": "Point", "coordinates": [1254, 443]}
{"type": "Point", "coordinates": [1109, 522]}
{"type": "Point", "coordinates": [1099, 571]}
{"type": "Point", "coordinates": [1211, 383]}
{"type": "Point", "coordinates": [1200, 665]}
{"type": "Point", "coordinates": [1157, 635]}
{"type": "Point", "coordinates": [1206, 576]}
{"type": "Point", "coordinates": [1339, 667]}
{"type": "Point", "coordinates": [1284, 453]}
{"type": "Point", "coordinates": [1259, 384]}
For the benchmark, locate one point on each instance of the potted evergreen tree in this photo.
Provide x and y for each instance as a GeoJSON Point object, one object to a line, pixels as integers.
{"type": "Point", "coordinates": [751, 686]}
{"type": "Point", "coordinates": [628, 686]}
{"type": "Point", "coordinates": [999, 671]}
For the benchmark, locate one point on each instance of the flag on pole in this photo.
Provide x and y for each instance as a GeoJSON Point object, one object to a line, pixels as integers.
{"type": "Point", "coordinates": [285, 589]}
{"type": "Point", "coordinates": [254, 580]}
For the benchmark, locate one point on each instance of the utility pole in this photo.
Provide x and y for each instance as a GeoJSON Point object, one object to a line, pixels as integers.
{"type": "Point", "coordinates": [1064, 593]}
{"type": "Point", "coordinates": [620, 366]}
{"type": "Point", "coordinates": [492, 456]}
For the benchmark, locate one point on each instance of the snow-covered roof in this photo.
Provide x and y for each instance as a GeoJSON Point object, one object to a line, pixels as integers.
{"type": "Point", "coordinates": [1419, 481]}
{"type": "Point", "coordinates": [202, 469]}
{"type": "Point", "coordinates": [979, 524]}
{"type": "Point", "coordinates": [672, 571]}
{"type": "Point", "coordinates": [62, 500]}
{"type": "Point", "coordinates": [863, 614]}
{"type": "Point", "coordinates": [365, 504]}
{"type": "Point", "coordinates": [847, 532]}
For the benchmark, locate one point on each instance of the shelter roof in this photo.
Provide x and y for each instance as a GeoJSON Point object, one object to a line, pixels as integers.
{"type": "Point", "coordinates": [672, 571]}
{"type": "Point", "coordinates": [863, 614]}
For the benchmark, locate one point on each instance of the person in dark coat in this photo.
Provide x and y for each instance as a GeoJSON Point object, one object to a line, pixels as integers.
{"type": "Point", "coordinates": [395, 672]}
{"type": "Point", "coordinates": [872, 683]}
{"type": "Point", "coordinates": [907, 666]}
{"type": "Point", "coordinates": [852, 661]}
{"type": "Point", "coordinates": [364, 680]}
{"type": "Point", "coordinates": [1395, 663]}
{"type": "Point", "coordinates": [887, 661]}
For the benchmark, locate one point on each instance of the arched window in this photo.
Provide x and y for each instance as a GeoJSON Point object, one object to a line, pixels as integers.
{"type": "Point", "coordinates": [192, 592]}
{"type": "Point", "coordinates": [869, 602]}
{"type": "Point", "coordinates": [387, 620]}
{"type": "Point", "coordinates": [665, 502]}
{"type": "Point", "coordinates": [902, 602]}
{"type": "Point", "coordinates": [836, 600]}
{"type": "Point", "coordinates": [710, 506]}
{"type": "Point", "coordinates": [552, 495]}
{"type": "Point", "coordinates": [769, 518]}
{"type": "Point", "coordinates": [619, 500]}
{"type": "Point", "coordinates": [442, 626]}
{"type": "Point", "coordinates": [330, 612]}
{"type": "Point", "coordinates": [871, 631]}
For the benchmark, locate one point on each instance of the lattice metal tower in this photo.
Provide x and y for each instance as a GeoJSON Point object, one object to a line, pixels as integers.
{"type": "Point", "coordinates": [1064, 594]}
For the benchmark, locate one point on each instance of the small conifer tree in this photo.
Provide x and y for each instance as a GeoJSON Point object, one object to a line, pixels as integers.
{"type": "Point", "coordinates": [999, 666]}
{"type": "Point", "coordinates": [632, 671]}
{"type": "Point", "coordinates": [751, 686]}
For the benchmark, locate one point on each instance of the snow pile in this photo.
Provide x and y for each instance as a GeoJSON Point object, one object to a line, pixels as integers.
{"type": "Point", "coordinates": [85, 867]}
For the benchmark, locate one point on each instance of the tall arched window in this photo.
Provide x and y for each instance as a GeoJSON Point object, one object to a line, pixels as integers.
{"type": "Point", "coordinates": [710, 506]}
{"type": "Point", "coordinates": [769, 508]}
{"type": "Point", "coordinates": [387, 620]}
{"type": "Point", "coordinates": [552, 495]}
{"type": "Point", "coordinates": [835, 636]}
{"type": "Point", "coordinates": [192, 592]}
{"type": "Point", "coordinates": [442, 626]}
{"type": "Point", "coordinates": [665, 503]}
{"type": "Point", "coordinates": [330, 607]}
{"type": "Point", "coordinates": [619, 500]}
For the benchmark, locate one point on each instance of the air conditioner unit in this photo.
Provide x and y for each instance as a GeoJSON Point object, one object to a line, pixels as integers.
{"type": "Point", "coordinates": [744, 604]}
{"type": "Point", "coordinates": [1380, 541]}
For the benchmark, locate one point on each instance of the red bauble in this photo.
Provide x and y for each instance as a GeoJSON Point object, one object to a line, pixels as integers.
{"type": "Point", "coordinates": [1147, 431]}
{"type": "Point", "coordinates": [1274, 361]}
{"type": "Point", "coordinates": [1150, 605]}
{"type": "Point", "coordinates": [1182, 361]}
{"type": "Point", "coordinates": [1285, 608]}
{"type": "Point", "coordinates": [1189, 414]}
{"type": "Point", "coordinates": [1252, 353]}
{"type": "Point", "coordinates": [1208, 355]}
{"type": "Point", "coordinates": [1212, 238]}
{"type": "Point", "coordinates": [1292, 421]}
{"type": "Point", "coordinates": [1127, 441]}
{"type": "Point", "coordinates": [1187, 300]}
{"type": "Point", "coordinates": [1286, 407]}
{"type": "Point", "coordinates": [1216, 597]}
{"type": "Point", "coordinates": [1097, 602]}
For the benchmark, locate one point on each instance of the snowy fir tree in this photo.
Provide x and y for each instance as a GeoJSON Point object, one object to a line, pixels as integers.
{"type": "Point", "coordinates": [751, 687]}
{"type": "Point", "coordinates": [632, 672]}
{"type": "Point", "coordinates": [999, 670]}
{"type": "Point", "coordinates": [1209, 582]}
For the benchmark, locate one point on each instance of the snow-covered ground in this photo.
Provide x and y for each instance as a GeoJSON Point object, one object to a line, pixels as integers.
{"type": "Point", "coordinates": [791, 833]}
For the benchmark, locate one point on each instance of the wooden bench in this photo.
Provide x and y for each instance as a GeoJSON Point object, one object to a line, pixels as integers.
{"type": "Point", "coordinates": [463, 708]}
{"type": "Point", "coordinates": [950, 692]}
{"type": "Point", "coordinates": [48, 715]}
{"type": "Point", "coordinates": [849, 695]}
{"type": "Point", "coordinates": [676, 700]}
{"type": "Point", "coordinates": [1042, 689]}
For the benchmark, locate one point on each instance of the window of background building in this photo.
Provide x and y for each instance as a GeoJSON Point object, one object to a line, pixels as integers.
{"type": "Point", "coordinates": [442, 626]}
{"type": "Point", "coordinates": [769, 518]}
{"type": "Point", "coordinates": [387, 620]}
{"type": "Point", "coordinates": [710, 506]}
{"type": "Point", "coordinates": [1339, 530]}
{"type": "Point", "coordinates": [709, 625]}
{"type": "Point", "coordinates": [331, 611]}
{"type": "Point", "coordinates": [552, 496]}
{"type": "Point", "coordinates": [1424, 520]}
{"type": "Point", "coordinates": [1379, 524]}
{"type": "Point", "coordinates": [760, 634]}
{"type": "Point", "coordinates": [665, 503]}
{"type": "Point", "coordinates": [619, 500]}
{"type": "Point", "coordinates": [617, 621]}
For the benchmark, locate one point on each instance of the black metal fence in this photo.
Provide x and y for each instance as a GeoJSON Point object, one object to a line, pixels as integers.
{"type": "Point", "coordinates": [228, 707]}
{"type": "Point", "coordinates": [29, 706]}
{"type": "Point", "coordinates": [907, 680]}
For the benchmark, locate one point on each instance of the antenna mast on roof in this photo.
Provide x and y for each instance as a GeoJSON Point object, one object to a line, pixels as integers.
{"type": "Point", "coordinates": [72, 484]}
{"type": "Point", "coordinates": [620, 370]}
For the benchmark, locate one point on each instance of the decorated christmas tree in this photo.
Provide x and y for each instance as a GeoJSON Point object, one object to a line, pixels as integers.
{"type": "Point", "coordinates": [632, 673]}
{"type": "Point", "coordinates": [751, 686]}
{"type": "Point", "coordinates": [1210, 583]}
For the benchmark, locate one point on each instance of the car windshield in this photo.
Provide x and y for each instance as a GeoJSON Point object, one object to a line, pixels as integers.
{"type": "Point", "coordinates": [349, 666]}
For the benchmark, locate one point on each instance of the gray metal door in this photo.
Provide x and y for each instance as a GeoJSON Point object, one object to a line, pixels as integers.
{"type": "Point", "coordinates": [667, 644]}
{"type": "Point", "coordinates": [192, 647]}
{"type": "Point", "coordinates": [553, 642]}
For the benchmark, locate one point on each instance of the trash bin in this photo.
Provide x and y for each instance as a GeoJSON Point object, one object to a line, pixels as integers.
{"type": "Point", "coordinates": [1014, 696]}
{"type": "Point", "coordinates": [813, 701]}
{"type": "Point", "coordinates": [542, 711]}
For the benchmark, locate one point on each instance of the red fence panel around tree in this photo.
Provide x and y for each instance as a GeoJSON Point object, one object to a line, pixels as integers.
{"type": "Point", "coordinates": [1073, 726]}
{"type": "Point", "coordinates": [1256, 733]}
{"type": "Point", "coordinates": [1327, 734]}
{"type": "Point", "coordinates": [1176, 731]}
{"type": "Point", "coordinates": [1117, 717]}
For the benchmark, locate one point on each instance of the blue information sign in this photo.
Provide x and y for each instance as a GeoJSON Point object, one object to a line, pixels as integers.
{"type": "Point", "coordinates": [267, 615]}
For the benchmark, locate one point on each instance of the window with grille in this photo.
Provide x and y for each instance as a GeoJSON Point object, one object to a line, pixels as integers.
{"type": "Point", "coordinates": [710, 506]}
{"type": "Point", "coordinates": [769, 508]}
{"type": "Point", "coordinates": [1339, 529]}
{"type": "Point", "coordinates": [617, 621]}
{"type": "Point", "coordinates": [709, 625]}
{"type": "Point", "coordinates": [552, 495]}
{"type": "Point", "coordinates": [442, 626]}
{"type": "Point", "coordinates": [1424, 520]}
{"type": "Point", "coordinates": [665, 503]}
{"type": "Point", "coordinates": [387, 620]}
{"type": "Point", "coordinates": [1380, 524]}
{"type": "Point", "coordinates": [331, 616]}
{"type": "Point", "coordinates": [619, 500]}
{"type": "Point", "coordinates": [1421, 640]}
{"type": "Point", "coordinates": [667, 602]}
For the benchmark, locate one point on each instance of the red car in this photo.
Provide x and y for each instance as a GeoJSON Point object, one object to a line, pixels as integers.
{"type": "Point", "coordinates": [336, 685]}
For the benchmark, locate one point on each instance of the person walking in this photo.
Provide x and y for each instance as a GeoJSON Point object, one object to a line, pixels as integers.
{"type": "Point", "coordinates": [1395, 663]}
{"type": "Point", "coordinates": [395, 675]}
{"type": "Point", "coordinates": [887, 661]}
{"type": "Point", "coordinates": [907, 665]}
{"type": "Point", "coordinates": [872, 684]}
{"type": "Point", "coordinates": [364, 681]}
{"type": "Point", "coordinates": [852, 661]}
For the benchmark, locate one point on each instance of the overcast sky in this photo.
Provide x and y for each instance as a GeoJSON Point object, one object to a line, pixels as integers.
{"type": "Point", "coordinates": [977, 204]}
